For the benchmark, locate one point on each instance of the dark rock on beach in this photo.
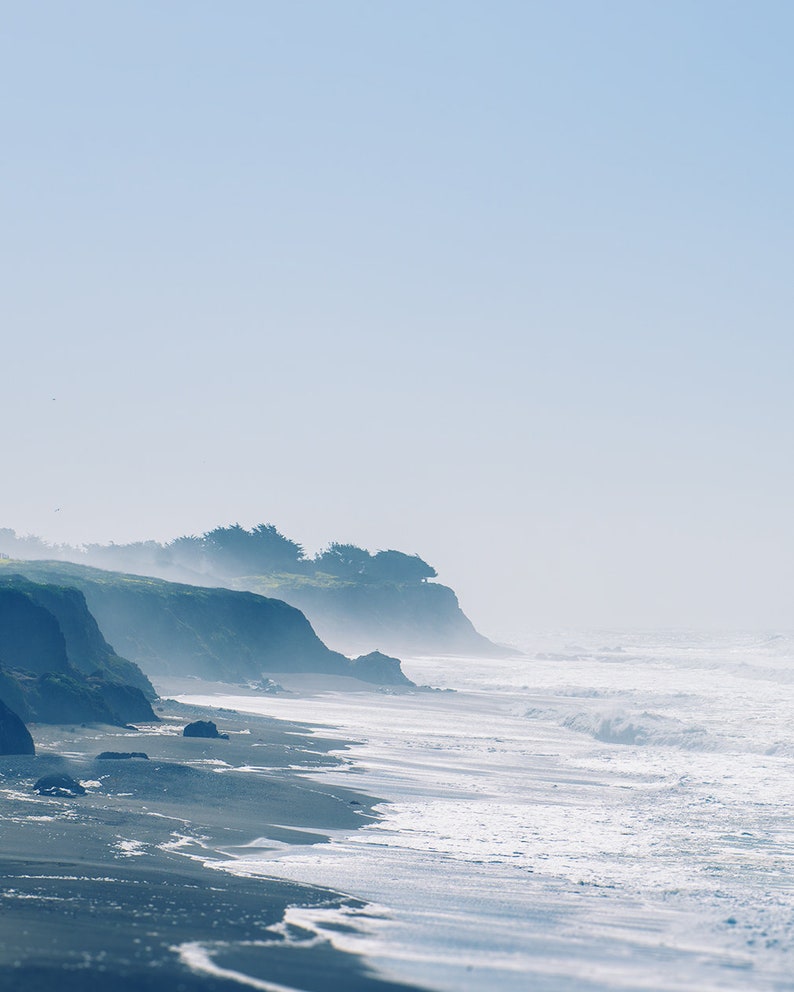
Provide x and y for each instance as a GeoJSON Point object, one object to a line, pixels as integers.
{"type": "Point", "coordinates": [63, 786]}
{"type": "Point", "coordinates": [203, 728]}
{"type": "Point", "coordinates": [121, 755]}
{"type": "Point", "coordinates": [14, 735]}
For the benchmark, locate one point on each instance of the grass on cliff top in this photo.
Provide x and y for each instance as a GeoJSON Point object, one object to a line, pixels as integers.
{"type": "Point", "coordinates": [267, 585]}
{"type": "Point", "coordinates": [69, 573]}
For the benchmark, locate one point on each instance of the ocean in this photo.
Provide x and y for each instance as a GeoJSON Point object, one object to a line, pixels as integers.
{"type": "Point", "coordinates": [608, 811]}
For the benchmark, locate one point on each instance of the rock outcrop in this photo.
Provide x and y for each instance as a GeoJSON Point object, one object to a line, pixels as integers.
{"type": "Point", "coordinates": [121, 755]}
{"type": "Point", "coordinates": [14, 735]}
{"type": "Point", "coordinates": [204, 728]}
{"type": "Point", "coordinates": [63, 786]}
{"type": "Point", "coordinates": [380, 669]}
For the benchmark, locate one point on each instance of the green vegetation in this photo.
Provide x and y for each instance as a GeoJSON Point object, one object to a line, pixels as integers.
{"type": "Point", "coordinates": [233, 551]}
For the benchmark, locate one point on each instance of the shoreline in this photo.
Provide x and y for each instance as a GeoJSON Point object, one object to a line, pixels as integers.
{"type": "Point", "coordinates": [527, 840]}
{"type": "Point", "coordinates": [125, 886]}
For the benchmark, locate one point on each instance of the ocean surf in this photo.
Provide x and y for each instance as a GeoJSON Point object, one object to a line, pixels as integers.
{"type": "Point", "coordinates": [584, 817]}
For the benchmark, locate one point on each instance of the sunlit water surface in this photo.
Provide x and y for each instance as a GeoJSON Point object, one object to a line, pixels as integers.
{"type": "Point", "coordinates": [606, 812]}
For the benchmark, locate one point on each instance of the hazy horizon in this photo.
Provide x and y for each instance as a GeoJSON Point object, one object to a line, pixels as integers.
{"type": "Point", "coordinates": [505, 286]}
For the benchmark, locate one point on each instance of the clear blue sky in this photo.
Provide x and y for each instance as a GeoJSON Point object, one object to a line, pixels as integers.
{"type": "Point", "coordinates": [504, 284]}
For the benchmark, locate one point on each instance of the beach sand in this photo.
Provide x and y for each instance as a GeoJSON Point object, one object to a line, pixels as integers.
{"type": "Point", "coordinates": [123, 888]}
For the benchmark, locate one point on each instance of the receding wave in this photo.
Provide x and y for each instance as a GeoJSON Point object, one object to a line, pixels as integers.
{"type": "Point", "coordinates": [199, 959]}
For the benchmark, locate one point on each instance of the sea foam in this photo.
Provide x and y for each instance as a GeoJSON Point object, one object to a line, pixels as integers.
{"type": "Point", "coordinates": [575, 818]}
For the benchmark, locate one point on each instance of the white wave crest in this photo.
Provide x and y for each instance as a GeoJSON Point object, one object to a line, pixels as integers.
{"type": "Point", "coordinates": [638, 729]}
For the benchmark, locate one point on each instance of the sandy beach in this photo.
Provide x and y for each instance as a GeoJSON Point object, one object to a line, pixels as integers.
{"type": "Point", "coordinates": [117, 888]}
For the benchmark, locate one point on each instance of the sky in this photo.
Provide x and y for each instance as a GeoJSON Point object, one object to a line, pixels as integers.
{"type": "Point", "coordinates": [504, 284]}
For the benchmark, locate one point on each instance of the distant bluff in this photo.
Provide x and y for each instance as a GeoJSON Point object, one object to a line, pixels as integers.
{"type": "Point", "coordinates": [357, 602]}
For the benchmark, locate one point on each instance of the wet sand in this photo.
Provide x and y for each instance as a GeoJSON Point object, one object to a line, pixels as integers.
{"type": "Point", "coordinates": [123, 888]}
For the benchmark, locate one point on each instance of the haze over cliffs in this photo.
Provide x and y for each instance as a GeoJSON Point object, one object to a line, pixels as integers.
{"type": "Point", "coordinates": [356, 601]}
{"type": "Point", "coordinates": [170, 628]}
{"type": "Point", "coordinates": [238, 617]}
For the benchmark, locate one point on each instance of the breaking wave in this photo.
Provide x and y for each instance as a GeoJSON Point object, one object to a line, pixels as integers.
{"type": "Point", "coordinates": [639, 729]}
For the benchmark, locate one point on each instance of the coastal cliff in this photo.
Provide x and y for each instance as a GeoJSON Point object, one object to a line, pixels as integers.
{"type": "Point", "coordinates": [172, 628]}
{"type": "Point", "coordinates": [405, 618]}
{"type": "Point", "coordinates": [355, 600]}
{"type": "Point", "coordinates": [55, 665]}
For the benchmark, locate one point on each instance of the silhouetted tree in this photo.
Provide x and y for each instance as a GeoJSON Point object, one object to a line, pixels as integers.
{"type": "Point", "coordinates": [276, 552]}
{"type": "Point", "coordinates": [394, 566]}
{"type": "Point", "coordinates": [28, 546]}
{"type": "Point", "coordinates": [188, 552]}
{"type": "Point", "coordinates": [236, 551]}
{"type": "Point", "coordinates": [344, 560]}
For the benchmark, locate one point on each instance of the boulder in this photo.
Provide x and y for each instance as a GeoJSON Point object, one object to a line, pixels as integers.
{"type": "Point", "coordinates": [14, 735]}
{"type": "Point", "coordinates": [380, 669]}
{"type": "Point", "coordinates": [63, 786]}
{"type": "Point", "coordinates": [121, 755]}
{"type": "Point", "coordinates": [203, 728]}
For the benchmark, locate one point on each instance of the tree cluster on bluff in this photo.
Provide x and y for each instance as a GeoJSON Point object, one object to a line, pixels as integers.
{"type": "Point", "coordinates": [235, 551]}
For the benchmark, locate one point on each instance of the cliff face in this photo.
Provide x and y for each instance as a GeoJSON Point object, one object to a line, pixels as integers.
{"type": "Point", "coordinates": [55, 666]}
{"type": "Point", "coordinates": [30, 636]}
{"type": "Point", "coordinates": [213, 633]}
{"type": "Point", "coordinates": [175, 629]}
{"type": "Point", "coordinates": [63, 617]}
{"type": "Point", "coordinates": [397, 617]}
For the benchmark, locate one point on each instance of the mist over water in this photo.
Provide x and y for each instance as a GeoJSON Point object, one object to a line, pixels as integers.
{"type": "Point", "coordinates": [610, 811]}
